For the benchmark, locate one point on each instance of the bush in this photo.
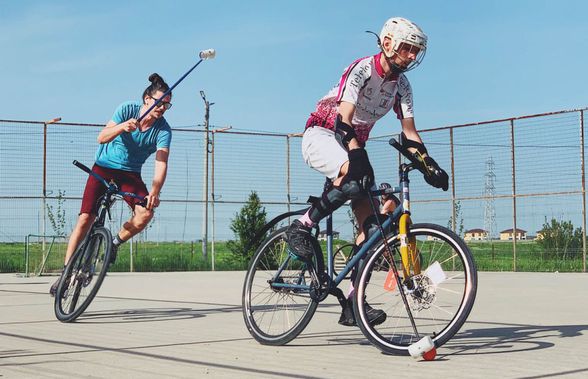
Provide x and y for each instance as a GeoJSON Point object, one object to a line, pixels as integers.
{"type": "Point", "coordinates": [246, 224]}
{"type": "Point", "coordinates": [560, 239]}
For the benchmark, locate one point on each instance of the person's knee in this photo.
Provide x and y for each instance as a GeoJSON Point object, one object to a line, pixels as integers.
{"type": "Point", "coordinates": [85, 219]}
{"type": "Point", "coordinates": [372, 225]}
{"type": "Point", "coordinates": [342, 172]}
{"type": "Point", "coordinates": [143, 216]}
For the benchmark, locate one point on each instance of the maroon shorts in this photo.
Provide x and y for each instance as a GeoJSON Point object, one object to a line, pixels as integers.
{"type": "Point", "coordinates": [127, 181]}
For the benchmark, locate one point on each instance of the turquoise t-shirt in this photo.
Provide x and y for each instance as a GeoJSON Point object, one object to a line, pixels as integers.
{"type": "Point", "coordinates": [129, 151]}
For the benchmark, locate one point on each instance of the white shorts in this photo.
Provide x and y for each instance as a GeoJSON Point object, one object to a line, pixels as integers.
{"type": "Point", "coordinates": [322, 152]}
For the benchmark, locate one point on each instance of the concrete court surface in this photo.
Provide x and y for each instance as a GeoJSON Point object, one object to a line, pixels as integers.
{"type": "Point", "coordinates": [189, 324]}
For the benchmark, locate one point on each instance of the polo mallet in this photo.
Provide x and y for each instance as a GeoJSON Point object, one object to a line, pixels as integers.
{"type": "Point", "coordinates": [204, 54]}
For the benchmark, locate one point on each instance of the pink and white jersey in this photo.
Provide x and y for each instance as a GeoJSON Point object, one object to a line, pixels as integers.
{"type": "Point", "coordinates": [364, 84]}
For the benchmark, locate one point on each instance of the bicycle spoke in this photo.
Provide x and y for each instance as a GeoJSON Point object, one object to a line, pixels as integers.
{"type": "Point", "coordinates": [439, 297]}
{"type": "Point", "coordinates": [275, 307]}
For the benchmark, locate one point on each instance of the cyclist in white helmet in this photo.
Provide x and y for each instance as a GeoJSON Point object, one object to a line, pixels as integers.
{"type": "Point", "coordinates": [336, 133]}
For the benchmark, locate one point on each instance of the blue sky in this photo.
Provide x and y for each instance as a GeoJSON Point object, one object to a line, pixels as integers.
{"type": "Point", "coordinates": [275, 59]}
{"type": "Point", "coordinates": [486, 60]}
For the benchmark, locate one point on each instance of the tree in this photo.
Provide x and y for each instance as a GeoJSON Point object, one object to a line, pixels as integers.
{"type": "Point", "coordinates": [458, 220]}
{"type": "Point", "coordinates": [246, 224]}
{"type": "Point", "coordinates": [559, 238]}
{"type": "Point", "coordinates": [57, 215]}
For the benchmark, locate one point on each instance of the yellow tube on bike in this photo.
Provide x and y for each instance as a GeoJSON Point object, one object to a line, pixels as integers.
{"type": "Point", "coordinates": [403, 226]}
{"type": "Point", "coordinates": [408, 248]}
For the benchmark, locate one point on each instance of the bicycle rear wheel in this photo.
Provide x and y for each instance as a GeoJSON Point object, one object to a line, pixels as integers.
{"type": "Point", "coordinates": [83, 276]}
{"type": "Point", "coordinates": [440, 297]}
{"type": "Point", "coordinates": [276, 294]}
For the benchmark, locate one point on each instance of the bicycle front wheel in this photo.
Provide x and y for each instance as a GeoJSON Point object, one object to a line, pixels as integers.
{"type": "Point", "coordinates": [83, 276]}
{"type": "Point", "coordinates": [277, 304]}
{"type": "Point", "coordinates": [440, 297]}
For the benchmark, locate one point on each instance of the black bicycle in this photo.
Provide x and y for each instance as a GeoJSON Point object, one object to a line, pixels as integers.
{"type": "Point", "coordinates": [87, 267]}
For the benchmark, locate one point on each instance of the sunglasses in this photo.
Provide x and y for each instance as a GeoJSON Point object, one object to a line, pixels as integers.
{"type": "Point", "coordinates": [166, 104]}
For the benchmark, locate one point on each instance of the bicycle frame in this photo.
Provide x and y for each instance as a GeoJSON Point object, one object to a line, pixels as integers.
{"type": "Point", "coordinates": [400, 216]}
{"type": "Point", "coordinates": [106, 200]}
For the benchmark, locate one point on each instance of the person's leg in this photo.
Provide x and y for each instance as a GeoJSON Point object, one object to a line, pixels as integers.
{"type": "Point", "coordinates": [367, 226]}
{"type": "Point", "coordinates": [138, 221]}
{"type": "Point", "coordinates": [82, 227]}
{"type": "Point", "coordinates": [92, 192]}
{"type": "Point", "coordinates": [133, 183]}
{"type": "Point", "coordinates": [323, 153]}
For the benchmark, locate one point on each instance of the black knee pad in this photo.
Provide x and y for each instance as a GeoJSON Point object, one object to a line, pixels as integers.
{"type": "Point", "coordinates": [331, 199]}
{"type": "Point", "coordinates": [370, 225]}
{"type": "Point", "coordinates": [352, 189]}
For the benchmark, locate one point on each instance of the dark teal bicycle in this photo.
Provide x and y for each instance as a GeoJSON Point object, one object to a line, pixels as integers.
{"type": "Point", "coordinates": [422, 275]}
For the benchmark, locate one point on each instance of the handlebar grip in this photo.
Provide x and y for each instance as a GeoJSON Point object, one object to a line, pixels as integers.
{"type": "Point", "coordinates": [395, 144]}
{"type": "Point", "coordinates": [81, 166]}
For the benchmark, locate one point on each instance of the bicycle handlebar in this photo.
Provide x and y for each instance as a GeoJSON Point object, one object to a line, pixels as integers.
{"type": "Point", "coordinates": [82, 166]}
{"type": "Point", "coordinates": [412, 158]}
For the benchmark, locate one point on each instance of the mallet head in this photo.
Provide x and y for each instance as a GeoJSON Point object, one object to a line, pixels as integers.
{"type": "Point", "coordinates": [207, 54]}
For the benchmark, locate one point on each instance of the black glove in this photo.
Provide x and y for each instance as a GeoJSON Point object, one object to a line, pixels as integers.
{"type": "Point", "coordinates": [435, 175]}
{"type": "Point", "coordinates": [360, 169]}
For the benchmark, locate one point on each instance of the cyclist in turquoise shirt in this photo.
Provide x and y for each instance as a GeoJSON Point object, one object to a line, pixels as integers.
{"type": "Point", "coordinates": [125, 144]}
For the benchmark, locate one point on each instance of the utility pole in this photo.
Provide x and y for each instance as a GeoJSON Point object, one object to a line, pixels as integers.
{"type": "Point", "coordinates": [214, 197]}
{"type": "Point", "coordinates": [207, 106]}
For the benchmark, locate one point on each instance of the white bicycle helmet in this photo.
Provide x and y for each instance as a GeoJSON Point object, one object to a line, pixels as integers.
{"type": "Point", "coordinates": [402, 31]}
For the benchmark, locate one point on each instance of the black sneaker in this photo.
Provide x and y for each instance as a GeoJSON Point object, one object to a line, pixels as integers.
{"type": "Point", "coordinates": [347, 317]}
{"type": "Point", "coordinates": [300, 240]}
{"type": "Point", "coordinates": [53, 289]}
{"type": "Point", "coordinates": [55, 286]}
{"type": "Point", "coordinates": [375, 316]}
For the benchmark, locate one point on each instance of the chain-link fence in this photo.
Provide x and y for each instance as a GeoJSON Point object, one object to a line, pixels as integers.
{"type": "Point", "coordinates": [520, 177]}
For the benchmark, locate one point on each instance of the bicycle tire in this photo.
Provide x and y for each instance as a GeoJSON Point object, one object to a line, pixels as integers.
{"type": "Point", "coordinates": [286, 321]}
{"type": "Point", "coordinates": [76, 274]}
{"type": "Point", "coordinates": [440, 299]}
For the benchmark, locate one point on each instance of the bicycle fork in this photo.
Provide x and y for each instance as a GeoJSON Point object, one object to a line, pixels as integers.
{"type": "Point", "coordinates": [404, 224]}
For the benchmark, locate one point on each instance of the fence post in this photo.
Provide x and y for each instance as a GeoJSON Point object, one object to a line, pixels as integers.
{"type": "Point", "coordinates": [131, 264]}
{"type": "Point", "coordinates": [212, 200]}
{"type": "Point", "coordinates": [288, 171]}
{"type": "Point", "coordinates": [583, 191]}
{"type": "Point", "coordinates": [514, 197]}
{"type": "Point", "coordinates": [453, 210]}
{"type": "Point", "coordinates": [44, 202]}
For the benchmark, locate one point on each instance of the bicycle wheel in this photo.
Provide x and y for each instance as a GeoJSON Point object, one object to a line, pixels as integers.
{"type": "Point", "coordinates": [83, 276]}
{"type": "Point", "coordinates": [276, 299]}
{"type": "Point", "coordinates": [440, 297]}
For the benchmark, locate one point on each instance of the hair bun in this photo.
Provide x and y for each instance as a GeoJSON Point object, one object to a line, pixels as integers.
{"type": "Point", "coordinates": [153, 78]}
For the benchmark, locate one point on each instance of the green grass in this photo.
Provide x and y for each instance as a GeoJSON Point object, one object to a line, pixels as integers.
{"type": "Point", "coordinates": [186, 256]}
{"type": "Point", "coordinates": [498, 256]}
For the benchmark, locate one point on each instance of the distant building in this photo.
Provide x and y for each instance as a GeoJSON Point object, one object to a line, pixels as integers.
{"type": "Point", "coordinates": [323, 235]}
{"type": "Point", "coordinates": [476, 235]}
{"type": "Point", "coordinates": [508, 234]}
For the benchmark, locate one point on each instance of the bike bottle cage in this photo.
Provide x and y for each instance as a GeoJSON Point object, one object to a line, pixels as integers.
{"type": "Point", "coordinates": [344, 132]}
